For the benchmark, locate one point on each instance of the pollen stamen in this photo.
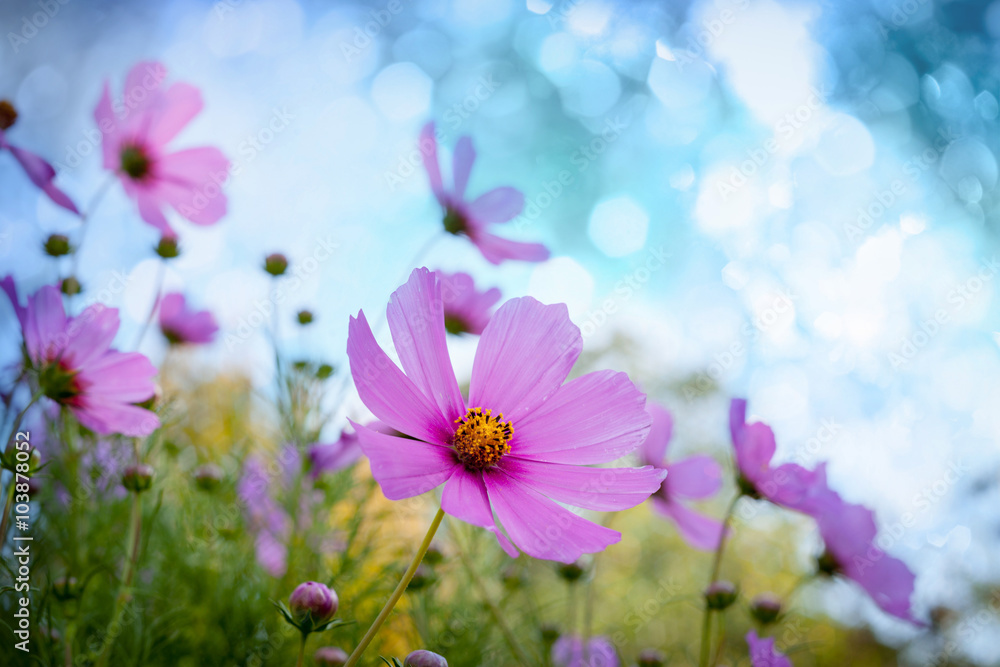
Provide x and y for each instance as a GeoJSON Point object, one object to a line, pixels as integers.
{"type": "Point", "coordinates": [481, 439]}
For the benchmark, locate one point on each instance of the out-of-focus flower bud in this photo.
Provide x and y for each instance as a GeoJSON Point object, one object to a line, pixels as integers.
{"type": "Point", "coordinates": [8, 114]}
{"type": "Point", "coordinates": [549, 633]}
{"type": "Point", "coordinates": [57, 245]}
{"type": "Point", "coordinates": [766, 608]}
{"type": "Point", "coordinates": [304, 317]}
{"type": "Point", "coordinates": [168, 247]}
{"type": "Point", "coordinates": [208, 476]}
{"type": "Point", "coordinates": [422, 578]}
{"type": "Point", "coordinates": [276, 264]}
{"type": "Point", "coordinates": [330, 656]}
{"type": "Point", "coordinates": [324, 371]}
{"type": "Point", "coordinates": [571, 572]}
{"type": "Point", "coordinates": [720, 595]}
{"type": "Point", "coordinates": [434, 555]}
{"type": "Point", "coordinates": [65, 588]}
{"type": "Point", "coordinates": [650, 657]}
{"type": "Point", "coordinates": [71, 286]}
{"type": "Point", "coordinates": [138, 477]}
{"type": "Point", "coordinates": [424, 658]}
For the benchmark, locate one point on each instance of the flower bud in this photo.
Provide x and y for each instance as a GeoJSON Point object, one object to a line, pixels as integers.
{"type": "Point", "coordinates": [650, 657]}
{"type": "Point", "coordinates": [423, 658]}
{"type": "Point", "coordinates": [512, 578]}
{"type": "Point", "coordinates": [720, 595]}
{"type": "Point", "coordinates": [324, 371]}
{"type": "Point", "coordinates": [65, 588]}
{"type": "Point", "coordinates": [312, 601]}
{"type": "Point", "coordinates": [330, 656]}
{"type": "Point", "coordinates": [304, 317]}
{"type": "Point", "coordinates": [422, 578]}
{"type": "Point", "coordinates": [434, 555]}
{"type": "Point", "coordinates": [276, 264]}
{"type": "Point", "coordinates": [138, 477]}
{"type": "Point", "coordinates": [766, 608]}
{"type": "Point", "coordinates": [71, 286]}
{"type": "Point", "coordinates": [571, 572]}
{"type": "Point", "coordinates": [57, 245]}
{"type": "Point", "coordinates": [827, 564]}
{"type": "Point", "coordinates": [208, 476]}
{"type": "Point", "coordinates": [8, 114]}
{"type": "Point", "coordinates": [549, 633]}
{"type": "Point", "coordinates": [168, 247]}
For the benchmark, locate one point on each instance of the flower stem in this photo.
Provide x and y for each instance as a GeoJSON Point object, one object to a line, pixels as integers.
{"type": "Point", "coordinates": [398, 593]}
{"type": "Point", "coordinates": [706, 623]}
{"type": "Point", "coordinates": [161, 271]}
{"type": "Point", "coordinates": [302, 651]}
{"type": "Point", "coordinates": [130, 566]}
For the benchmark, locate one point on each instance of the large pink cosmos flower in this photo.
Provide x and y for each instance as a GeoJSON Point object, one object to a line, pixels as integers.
{"type": "Point", "coordinates": [135, 148]}
{"type": "Point", "coordinates": [763, 653]}
{"type": "Point", "coordinates": [520, 444]}
{"type": "Point", "coordinates": [569, 651]}
{"type": "Point", "coordinates": [466, 309]}
{"type": "Point", "coordinates": [472, 218]}
{"type": "Point", "coordinates": [38, 170]}
{"type": "Point", "coordinates": [789, 484]}
{"type": "Point", "coordinates": [181, 325]}
{"type": "Point", "coordinates": [692, 478]}
{"type": "Point", "coordinates": [77, 368]}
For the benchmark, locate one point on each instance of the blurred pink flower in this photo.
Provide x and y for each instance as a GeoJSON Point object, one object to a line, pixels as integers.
{"type": "Point", "coordinates": [466, 309]}
{"type": "Point", "coordinates": [135, 148]}
{"type": "Point", "coordinates": [520, 445]}
{"type": "Point", "coordinates": [38, 170]}
{"type": "Point", "coordinates": [693, 478]}
{"type": "Point", "coordinates": [77, 368]}
{"type": "Point", "coordinates": [472, 218]}
{"type": "Point", "coordinates": [342, 453]}
{"type": "Point", "coordinates": [569, 651]}
{"type": "Point", "coordinates": [763, 653]}
{"type": "Point", "coordinates": [181, 325]}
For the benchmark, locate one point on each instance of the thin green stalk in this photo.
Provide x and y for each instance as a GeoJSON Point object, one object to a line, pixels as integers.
{"type": "Point", "coordinates": [302, 651]}
{"type": "Point", "coordinates": [706, 624]}
{"type": "Point", "coordinates": [398, 593]}
{"type": "Point", "coordinates": [20, 417]}
{"type": "Point", "coordinates": [6, 510]}
{"type": "Point", "coordinates": [124, 591]}
{"type": "Point", "coordinates": [161, 271]}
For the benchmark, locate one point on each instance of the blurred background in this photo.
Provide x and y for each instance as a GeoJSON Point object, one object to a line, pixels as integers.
{"type": "Point", "coordinates": [792, 201]}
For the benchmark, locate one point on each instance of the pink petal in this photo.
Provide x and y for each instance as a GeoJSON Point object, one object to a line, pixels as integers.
{"type": "Point", "coordinates": [151, 210]}
{"type": "Point", "coordinates": [754, 451]}
{"type": "Point", "coordinates": [416, 320]}
{"type": "Point", "coordinates": [763, 653]}
{"type": "Point", "coordinates": [524, 355]}
{"type": "Point", "coordinates": [700, 531]}
{"type": "Point", "coordinates": [464, 497]}
{"type": "Point", "coordinates": [89, 335]}
{"type": "Point", "coordinates": [695, 477]}
{"type": "Point", "coordinates": [106, 417]}
{"type": "Point", "coordinates": [108, 124]}
{"type": "Point", "coordinates": [191, 182]}
{"type": "Point", "coordinates": [180, 103]}
{"type": "Point", "coordinates": [465, 156]}
{"type": "Point", "coordinates": [429, 154]}
{"type": "Point", "coordinates": [142, 97]}
{"type": "Point", "coordinates": [404, 467]}
{"type": "Point", "coordinates": [388, 393]}
{"type": "Point", "coordinates": [654, 448]}
{"type": "Point", "coordinates": [600, 489]}
{"type": "Point", "coordinates": [7, 284]}
{"type": "Point", "coordinates": [42, 174]}
{"type": "Point", "coordinates": [496, 249]}
{"type": "Point", "coordinates": [44, 334]}
{"type": "Point", "coordinates": [126, 377]}
{"type": "Point", "coordinates": [593, 419]}
{"type": "Point", "coordinates": [171, 305]}
{"type": "Point", "coordinates": [540, 527]}
{"type": "Point", "coordinates": [498, 205]}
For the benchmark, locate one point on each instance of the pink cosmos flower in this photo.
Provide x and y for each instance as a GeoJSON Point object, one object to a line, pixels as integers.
{"type": "Point", "coordinates": [135, 148]}
{"type": "Point", "coordinates": [692, 478]}
{"type": "Point", "coordinates": [334, 456]}
{"type": "Point", "coordinates": [569, 651]}
{"type": "Point", "coordinates": [38, 170]}
{"type": "Point", "coordinates": [850, 535]}
{"type": "Point", "coordinates": [521, 443]}
{"type": "Point", "coordinates": [466, 309]}
{"type": "Point", "coordinates": [472, 218]}
{"type": "Point", "coordinates": [182, 325]}
{"type": "Point", "coordinates": [763, 653]}
{"type": "Point", "coordinates": [789, 484]}
{"type": "Point", "coordinates": [77, 368]}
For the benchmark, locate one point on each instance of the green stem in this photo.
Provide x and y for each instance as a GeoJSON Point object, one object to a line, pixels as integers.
{"type": "Point", "coordinates": [130, 567]}
{"type": "Point", "coordinates": [302, 651]}
{"type": "Point", "coordinates": [161, 271]}
{"type": "Point", "coordinates": [6, 511]}
{"type": "Point", "coordinates": [396, 594]}
{"type": "Point", "coordinates": [20, 417]}
{"type": "Point", "coordinates": [706, 623]}
{"type": "Point", "coordinates": [68, 643]}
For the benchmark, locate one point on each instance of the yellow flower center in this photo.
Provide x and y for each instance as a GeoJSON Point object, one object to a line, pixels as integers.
{"type": "Point", "coordinates": [481, 439]}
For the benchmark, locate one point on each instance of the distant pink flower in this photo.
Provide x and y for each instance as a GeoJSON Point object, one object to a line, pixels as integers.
{"type": "Point", "coordinates": [472, 218]}
{"type": "Point", "coordinates": [763, 653]}
{"type": "Point", "coordinates": [466, 309]}
{"type": "Point", "coordinates": [38, 170]}
{"type": "Point", "coordinates": [520, 444]}
{"type": "Point", "coordinates": [693, 478]}
{"type": "Point", "coordinates": [76, 367]}
{"type": "Point", "coordinates": [181, 325]}
{"type": "Point", "coordinates": [850, 535]}
{"type": "Point", "coordinates": [342, 453]}
{"type": "Point", "coordinates": [789, 484]}
{"type": "Point", "coordinates": [569, 651]}
{"type": "Point", "coordinates": [135, 148]}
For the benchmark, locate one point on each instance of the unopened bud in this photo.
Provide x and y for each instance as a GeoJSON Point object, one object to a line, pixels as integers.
{"type": "Point", "coordinates": [720, 595]}
{"type": "Point", "coordinates": [571, 572]}
{"type": "Point", "coordinates": [765, 608]}
{"type": "Point", "coordinates": [312, 600]}
{"type": "Point", "coordinates": [423, 658]}
{"type": "Point", "coordinates": [208, 476]}
{"type": "Point", "coordinates": [276, 264]}
{"type": "Point", "coordinates": [57, 245]}
{"type": "Point", "coordinates": [138, 477]}
{"type": "Point", "coordinates": [8, 114]}
{"type": "Point", "coordinates": [71, 286]}
{"type": "Point", "coordinates": [168, 248]}
{"type": "Point", "coordinates": [650, 657]}
{"type": "Point", "coordinates": [330, 656]}
{"type": "Point", "coordinates": [305, 317]}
